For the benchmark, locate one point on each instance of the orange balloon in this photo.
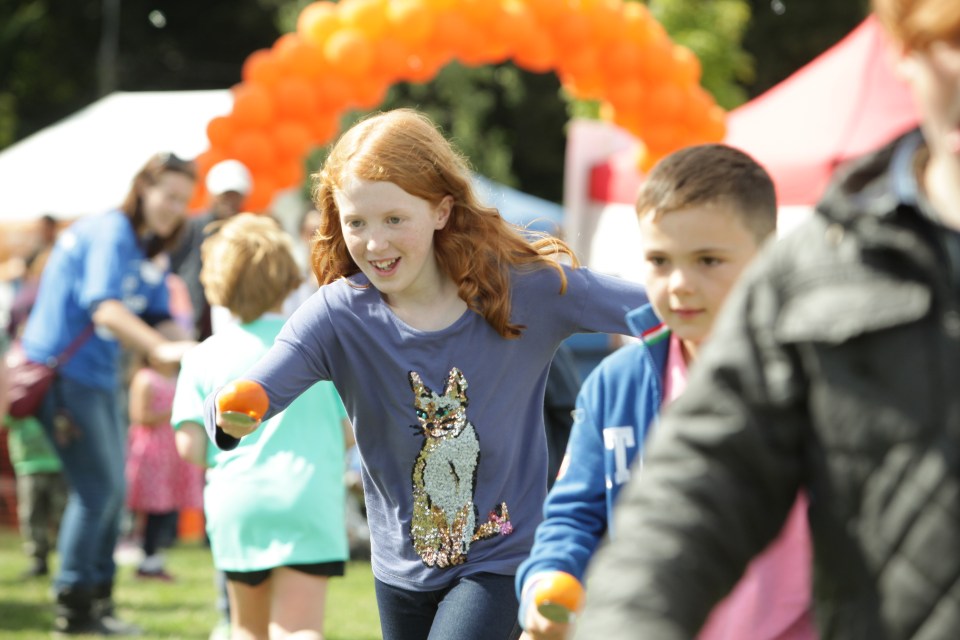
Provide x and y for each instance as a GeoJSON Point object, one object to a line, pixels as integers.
{"type": "Point", "coordinates": [323, 127]}
{"type": "Point", "coordinates": [424, 66]}
{"type": "Point", "coordinates": [686, 66]}
{"type": "Point", "coordinates": [207, 159]}
{"type": "Point", "coordinates": [318, 21]}
{"type": "Point", "coordinates": [451, 32]}
{"type": "Point", "coordinates": [483, 13]}
{"type": "Point", "coordinates": [516, 27]}
{"type": "Point", "coordinates": [639, 27]}
{"type": "Point", "coordinates": [656, 62]}
{"type": "Point", "coordinates": [252, 105]}
{"type": "Point", "coordinates": [697, 103]}
{"type": "Point", "coordinates": [349, 51]}
{"type": "Point", "coordinates": [662, 139]}
{"type": "Point", "coordinates": [571, 32]}
{"type": "Point", "coordinates": [261, 67]}
{"type": "Point", "coordinates": [198, 199]}
{"type": "Point", "coordinates": [333, 91]}
{"type": "Point", "coordinates": [220, 130]}
{"type": "Point", "coordinates": [604, 17]}
{"type": "Point", "coordinates": [289, 173]}
{"type": "Point", "coordinates": [620, 59]}
{"type": "Point", "coordinates": [366, 16]}
{"type": "Point", "coordinates": [664, 101]}
{"type": "Point", "coordinates": [244, 396]}
{"type": "Point", "coordinates": [626, 95]}
{"type": "Point", "coordinates": [715, 126]}
{"type": "Point", "coordinates": [369, 92]}
{"type": "Point", "coordinates": [582, 69]}
{"type": "Point", "coordinates": [292, 139]}
{"type": "Point", "coordinates": [253, 148]}
{"type": "Point", "coordinates": [298, 57]}
{"type": "Point", "coordinates": [390, 59]}
{"type": "Point", "coordinates": [264, 189]}
{"type": "Point", "coordinates": [548, 12]}
{"type": "Point", "coordinates": [411, 21]}
{"type": "Point", "coordinates": [296, 98]}
{"type": "Point", "coordinates": [537, 53]}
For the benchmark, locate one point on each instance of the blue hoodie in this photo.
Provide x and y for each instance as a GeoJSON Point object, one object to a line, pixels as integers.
{"type": "Point", "coordinates": [617, 405]}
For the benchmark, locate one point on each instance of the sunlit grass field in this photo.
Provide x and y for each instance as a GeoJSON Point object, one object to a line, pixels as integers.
{"type": "Point", "coordinates": [181, 609]}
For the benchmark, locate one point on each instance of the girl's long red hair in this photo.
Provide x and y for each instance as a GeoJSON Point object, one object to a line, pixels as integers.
{"type": "Point", "coordinates": [477, 248]}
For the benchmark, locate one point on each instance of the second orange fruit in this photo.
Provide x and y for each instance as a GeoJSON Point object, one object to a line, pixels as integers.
{"type": "Point", "coordinates": [558, 595]}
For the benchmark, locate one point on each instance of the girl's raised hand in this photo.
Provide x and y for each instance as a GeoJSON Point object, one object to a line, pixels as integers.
{"type": "Point", "coordinates": [241, 405]}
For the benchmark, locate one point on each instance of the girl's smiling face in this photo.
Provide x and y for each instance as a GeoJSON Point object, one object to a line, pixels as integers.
{"type": "Point", "coordinates": [389, 234]}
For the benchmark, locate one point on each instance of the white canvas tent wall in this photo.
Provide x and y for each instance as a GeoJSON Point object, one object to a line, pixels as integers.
{"type": "Point", "coordinates": [84, 163]}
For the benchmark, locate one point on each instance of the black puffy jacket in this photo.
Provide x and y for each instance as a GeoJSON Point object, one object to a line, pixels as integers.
{"type": "Point", "coordinates": [835, 366]}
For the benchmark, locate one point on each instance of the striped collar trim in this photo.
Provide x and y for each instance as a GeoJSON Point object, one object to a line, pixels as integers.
{"type": "Point", "coordinates": [655, 334]}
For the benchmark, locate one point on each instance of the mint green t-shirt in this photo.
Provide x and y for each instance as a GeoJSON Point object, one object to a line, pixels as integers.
{"type": "Point", "coordinates": [278, 498]}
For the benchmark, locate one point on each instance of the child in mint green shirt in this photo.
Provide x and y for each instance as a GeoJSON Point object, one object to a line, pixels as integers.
{"type": "Point", "coordinates": [275, 506]}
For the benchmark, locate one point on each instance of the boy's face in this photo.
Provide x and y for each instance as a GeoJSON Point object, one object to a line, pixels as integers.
{"type": "Point", "coordinates": [691, 259]}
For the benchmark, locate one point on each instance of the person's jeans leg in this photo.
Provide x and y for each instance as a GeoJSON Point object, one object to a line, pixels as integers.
{"type": "Point", "coordinates": [405, 614]}
{"type": "Point", "coordinates": [478, 607]}
{"type": "Point", "coordinates": [93, 458]}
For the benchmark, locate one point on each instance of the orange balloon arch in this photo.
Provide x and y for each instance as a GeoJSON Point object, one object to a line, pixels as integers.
{"type": "Point", "coordinates": [346, 55]}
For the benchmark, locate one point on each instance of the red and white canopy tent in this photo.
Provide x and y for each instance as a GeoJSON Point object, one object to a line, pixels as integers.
{"type": "Point", "coordinates": [843, 104]}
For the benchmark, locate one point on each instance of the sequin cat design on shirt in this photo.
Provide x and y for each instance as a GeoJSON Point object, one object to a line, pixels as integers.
{"type": "Point", "coordinates": [444, 477]}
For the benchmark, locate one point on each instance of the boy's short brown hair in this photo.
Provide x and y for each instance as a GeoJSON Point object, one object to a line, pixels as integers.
{"type": "Point", "coordinates": [708, 174]}
{"type": "Point", "coordinates": [917, 24]}
{"type": "Point", "coordinates": [248, 266]}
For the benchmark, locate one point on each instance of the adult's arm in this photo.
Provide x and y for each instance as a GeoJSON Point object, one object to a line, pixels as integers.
{"type": "Point", "coordinates": [719, 477]}
{"type": "Point", "coordinates": [134, 333]}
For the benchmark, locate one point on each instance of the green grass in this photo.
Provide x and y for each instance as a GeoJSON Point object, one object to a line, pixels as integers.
{"type": "Point", "coordinates": [182, 609]}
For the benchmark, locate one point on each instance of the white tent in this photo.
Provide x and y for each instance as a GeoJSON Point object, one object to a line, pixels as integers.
{"type": "Point", "coordinates": [84, 163]}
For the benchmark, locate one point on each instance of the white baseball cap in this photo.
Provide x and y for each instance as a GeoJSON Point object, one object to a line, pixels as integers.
{"type": "Point", "coordinates": [229, 175]}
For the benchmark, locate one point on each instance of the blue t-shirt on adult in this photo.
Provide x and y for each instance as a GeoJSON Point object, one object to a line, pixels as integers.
{"type": "Point", "coordinates": [97, 258]}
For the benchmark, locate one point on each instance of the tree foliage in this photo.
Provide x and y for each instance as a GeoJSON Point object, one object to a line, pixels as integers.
{"type": "Point", "coordinates": [784, 35]}
{"type": "Point", "coordinates": [509, 122]}
{"type": "Point", "coordinates": [50, 52]}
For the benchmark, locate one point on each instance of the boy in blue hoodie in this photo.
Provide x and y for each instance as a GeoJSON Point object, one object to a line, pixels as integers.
{"type": "Point", "coordinates": [704, 212]}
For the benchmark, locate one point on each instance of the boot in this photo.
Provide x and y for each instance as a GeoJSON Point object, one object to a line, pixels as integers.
{"type": "Point", "coordinates": [73, 611]}
{"type": "Point", "coordinates": [102, 607]}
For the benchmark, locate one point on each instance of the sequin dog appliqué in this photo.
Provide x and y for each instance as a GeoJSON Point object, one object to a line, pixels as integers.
{"type": "Point", "coordinates": [444, 476]}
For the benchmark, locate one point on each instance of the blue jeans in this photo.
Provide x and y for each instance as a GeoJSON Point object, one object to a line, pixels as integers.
{"type": "Point", "coordinates": [93, 455]}
{"type": "Point", "coordinates": [482, 606]}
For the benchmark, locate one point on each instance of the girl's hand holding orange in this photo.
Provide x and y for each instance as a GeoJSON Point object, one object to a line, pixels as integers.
{"type": "Point", "coordinates": [240, 406]}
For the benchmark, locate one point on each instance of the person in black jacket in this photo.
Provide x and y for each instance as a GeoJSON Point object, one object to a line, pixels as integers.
{"type": "Point", "coordinates": [834, 367]}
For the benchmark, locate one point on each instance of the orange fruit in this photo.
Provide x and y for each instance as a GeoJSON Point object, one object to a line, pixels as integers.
{"type": "Point", "coordinates": [244, 396]}
{"type": "Point", "coordinates": [558, 595]}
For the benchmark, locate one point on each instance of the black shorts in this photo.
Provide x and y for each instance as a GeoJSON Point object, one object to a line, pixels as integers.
{"type": "Point", "coordinates": [253, 578]}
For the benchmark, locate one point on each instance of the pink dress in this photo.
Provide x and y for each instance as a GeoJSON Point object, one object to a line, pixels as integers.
{"type": "Point", "coordinates": [773, 599]}
{"type": "Point", "coordinates": [158, 479]}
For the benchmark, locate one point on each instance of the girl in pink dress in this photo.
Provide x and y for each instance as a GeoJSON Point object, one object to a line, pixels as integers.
{"type": "Point", "coordinates": [159, 482]}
